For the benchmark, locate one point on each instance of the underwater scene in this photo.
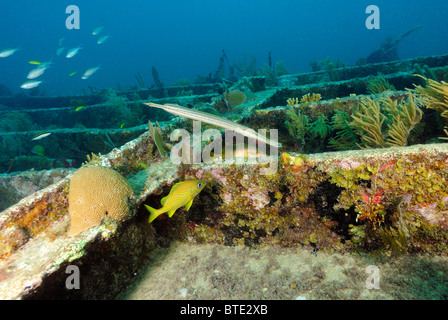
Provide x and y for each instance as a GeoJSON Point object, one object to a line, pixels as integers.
{"type": "Point", "coordinates": [224, 150]}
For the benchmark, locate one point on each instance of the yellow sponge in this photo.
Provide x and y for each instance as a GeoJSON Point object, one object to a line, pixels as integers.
{"type": "Point", "coordinates": [96, 192]}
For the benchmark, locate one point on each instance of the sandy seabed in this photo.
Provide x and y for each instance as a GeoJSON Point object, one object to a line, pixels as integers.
{"type": "Point", "coordinates": [191, 271]}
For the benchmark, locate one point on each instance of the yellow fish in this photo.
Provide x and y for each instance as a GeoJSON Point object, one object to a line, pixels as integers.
{"type": "Point", "coordinates": [181, 194]}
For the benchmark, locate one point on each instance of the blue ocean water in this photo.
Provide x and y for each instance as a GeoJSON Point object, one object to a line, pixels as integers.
{"type": "Point", "coordinates": [184, 39]}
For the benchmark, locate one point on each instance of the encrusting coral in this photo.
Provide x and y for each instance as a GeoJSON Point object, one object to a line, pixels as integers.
{"type": "Point", "coordinates": [399, 203]}
{"type": "Point", "coordinates": [96, 193]}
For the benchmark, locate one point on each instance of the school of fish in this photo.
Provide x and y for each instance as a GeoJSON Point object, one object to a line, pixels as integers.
{"type": "Point", "coordinates": [40, 67]}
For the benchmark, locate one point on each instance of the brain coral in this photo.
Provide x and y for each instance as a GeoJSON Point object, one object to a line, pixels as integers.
{"type": "Point", "coordinates": [96, 192]}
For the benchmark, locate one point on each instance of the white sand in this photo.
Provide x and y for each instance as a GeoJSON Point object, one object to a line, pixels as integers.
{"type": "Point", "coordinates": [192, 271]}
